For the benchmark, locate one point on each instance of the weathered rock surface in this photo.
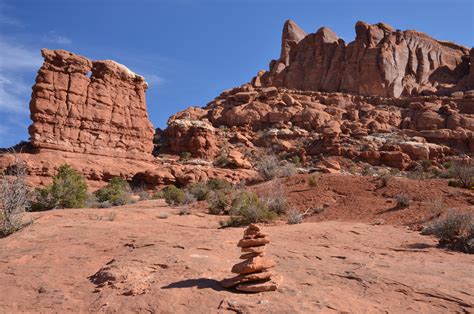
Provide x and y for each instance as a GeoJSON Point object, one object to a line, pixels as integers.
{"type": "Point", "coordinates": [378, 130]}
{"type": "Point", "coordinates": [345, 261]}
{"type": "Point", "coordinates": [91, 107]}
{"type": "Point", "coordinates": [380, 61]}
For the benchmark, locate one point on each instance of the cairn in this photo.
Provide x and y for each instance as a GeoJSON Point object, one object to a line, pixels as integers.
{"type": "Point", "coordinates": [253, 272]}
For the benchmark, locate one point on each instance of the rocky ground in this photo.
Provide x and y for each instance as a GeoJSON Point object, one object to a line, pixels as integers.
{"type": "Point", "coordinates": [146, 258]}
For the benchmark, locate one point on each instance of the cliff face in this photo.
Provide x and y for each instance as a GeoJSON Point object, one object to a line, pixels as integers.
{"type": "Point", "coordinates": [91, 107]}
{"type": "Point", "coordinates": [379, 62]}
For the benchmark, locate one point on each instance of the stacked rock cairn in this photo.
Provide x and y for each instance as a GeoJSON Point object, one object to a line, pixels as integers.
{"type": "Point", "coordinates": [253, 272]}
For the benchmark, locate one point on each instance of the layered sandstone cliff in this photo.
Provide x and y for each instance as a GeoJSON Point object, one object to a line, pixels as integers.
{"type": "Point", "coordinates": [91, 107]}
{"type": "Point", "coordinates": [389, 97]}
{"type": "Point", "coordinates": [380, 61]}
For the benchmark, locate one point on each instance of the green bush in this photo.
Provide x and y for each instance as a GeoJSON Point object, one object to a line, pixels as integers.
{"type": "Point", "coordinates": [184, 156]}
{"type": "Point", "coordinates": [173, 195]}
{"type": "Point", "coordinates": [218, 184]}
{"type": "Point", "coordinates": [296, 160]}
{"type": "Point", "coordinates": [69, 190]}
{"type": "Point", "coordinates": [116, 192]}
{"type": "Point", "coordinates": [247, 208]}
{"type": "Point", "coordinates": [217, 202]}
{"type": "Point", "coordinates": [158, 195]}
{"type": "Point", "coordinates": [199, 190]}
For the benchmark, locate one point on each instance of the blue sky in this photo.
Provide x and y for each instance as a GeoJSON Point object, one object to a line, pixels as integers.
{"type": "Point", "coordinates": [188, 50]}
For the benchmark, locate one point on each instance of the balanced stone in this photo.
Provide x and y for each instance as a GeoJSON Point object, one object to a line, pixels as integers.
{"type": "Point", "coordinates": [253, 265]}
{"type": "Point", "coordinates": [253, 274]}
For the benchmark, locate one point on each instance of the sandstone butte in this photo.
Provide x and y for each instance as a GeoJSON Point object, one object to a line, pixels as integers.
{"type": "Point", "coordinates": [91, 107]}
{"type": "Point", "coordinates": [390, 98]}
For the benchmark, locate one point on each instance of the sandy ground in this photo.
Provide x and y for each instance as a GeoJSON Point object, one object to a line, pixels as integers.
{"type": "Point", "coordinates": [128, 259]}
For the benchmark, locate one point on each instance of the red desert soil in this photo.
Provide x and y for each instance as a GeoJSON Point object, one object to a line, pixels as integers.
{"type": "Point", "coordinates": [92, 260]}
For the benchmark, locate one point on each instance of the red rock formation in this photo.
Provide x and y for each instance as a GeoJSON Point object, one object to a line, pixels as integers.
{"type": "Point", "coordinates": [91, 107]}
{"type": "Point", "coordinates": [380, 61]}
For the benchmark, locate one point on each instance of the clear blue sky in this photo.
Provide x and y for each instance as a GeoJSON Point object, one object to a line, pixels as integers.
{"type": "Point", "coordinates": [188, 50]}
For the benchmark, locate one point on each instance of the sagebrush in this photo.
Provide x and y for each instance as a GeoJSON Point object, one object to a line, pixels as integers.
{"type": "Point", "coordinates": [15, 197]}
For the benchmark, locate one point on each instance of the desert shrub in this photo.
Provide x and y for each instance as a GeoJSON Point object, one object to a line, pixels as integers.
{"type": "Point", "coordinates": [116, 192]}
{"type": "Point", "coordinates": [403, 200]}
{"type": "Point", "coordinates": [218, 184]}
{"type": "Point", "coordinates": [368, 171]}
{"type": "Point", "coordinates": [143, 195]}
{"type": "Point", "coordinates": [199, 190]}
{"type": "Point", "coordinates": [217, 202]}
{"type": "Point", "coordinates": [188, 198]}
{"type": "Point", "coordinates": [462, 173]}
{"type": "Point", "coordinates": [69, 190]}
{"type": "Point", "coordinates": [157, 195]}
{"type": "Point", "coordinates": [385, 179]}
{"type": "Point", "coordinates": [277, 203]}
{"type": "Point", "coordinates": [418, 173]}
{"type": "Point", "coordinates": [247, 208]}
{"type": "Point", "coordinates": [15, 198]}
{"type": "Point", "coordinates": [317, 210]}
{"type": "Point", "coordinates": [313, 181]}
{"type": "Point", "coordinates": [296, 160]}
{"type": "Point", "coordinates": [184, 210]}
{"type": "Point", "coordinates": [294, 217]}
{"type": "Point", "coordinates": [426, 164]}
{"type": "Point", "coordinates": [105, 204]}
{"type": "Point", "coordinates": [184, 156]}
{"type": "Point", "coordinates": [268, 167]}
{"type": "Point", "coordinates": [447, 164]}
{"type": "Point", "coordinates": [287, 170]}
{"type": "Point", "coordinates": [173, 195]}
{"type": "Point", "coordinates": [454, 231]}
{"type": "Point", "coordinates": [222, 161]}
{"type": "Point", "coordinates": [436, 207]}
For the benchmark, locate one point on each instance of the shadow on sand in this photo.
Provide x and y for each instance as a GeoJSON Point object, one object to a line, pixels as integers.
{"type": "Point", "coordinates": [200, 283]}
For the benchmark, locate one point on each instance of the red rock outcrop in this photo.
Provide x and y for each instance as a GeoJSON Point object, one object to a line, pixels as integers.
{"type": "Point", "coordinates": [91, 107]}
{"type": "Point", "coordinates": [387, 98]}
{"type": "Point", "coordinates": [380, 61]}
{"type": "Point", "coordinates": [389, 131]}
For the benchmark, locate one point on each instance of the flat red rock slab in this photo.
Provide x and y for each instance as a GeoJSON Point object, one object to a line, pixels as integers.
{"type": "Point", "coordinates": [255, 249]}
{"type": "Point", "coordinates": [251, 255]}
{"type": "Point", "coordinates": [253, 242]}
{"type": "Point", "coordinates": [239, 279]}
{"type": "Point", "coordinates": [253, 265]}
{"type": "Point", "coordinates": [262, 285]}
